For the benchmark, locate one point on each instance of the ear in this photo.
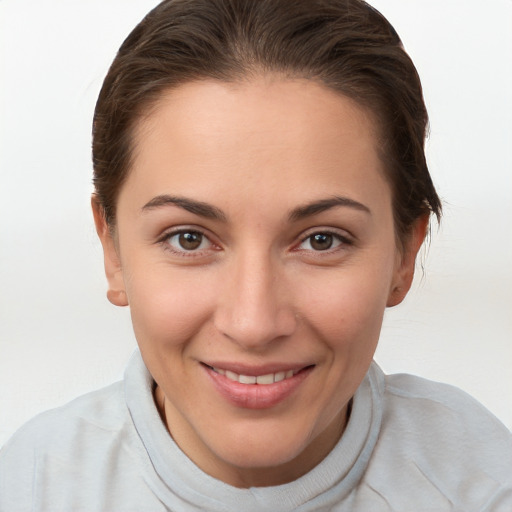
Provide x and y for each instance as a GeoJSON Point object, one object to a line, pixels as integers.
{"type": "Point", "coordinates": [406, 261]}
{"type": "Point", "coordinates": [116, 292]}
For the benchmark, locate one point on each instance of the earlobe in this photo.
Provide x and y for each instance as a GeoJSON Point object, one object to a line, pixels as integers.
{"type": "Point", "coordinates": [116, 292]}
{"type": "Point", "coordinates": [404, 273]}
{"type": "Point", "coordinates": [117, 297]}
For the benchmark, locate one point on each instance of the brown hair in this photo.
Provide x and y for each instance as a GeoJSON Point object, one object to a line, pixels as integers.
{"type": "Point", "coordinates": [345, 44]}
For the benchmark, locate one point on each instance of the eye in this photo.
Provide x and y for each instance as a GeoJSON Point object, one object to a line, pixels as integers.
{"type": "Point", "coordinates": [322, 241]}
{"type": "Point", "coordinates": [187, 241]}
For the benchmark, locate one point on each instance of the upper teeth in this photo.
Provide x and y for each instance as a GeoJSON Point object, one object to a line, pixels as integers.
{"type": "Point", "coordinates": [269, 378]}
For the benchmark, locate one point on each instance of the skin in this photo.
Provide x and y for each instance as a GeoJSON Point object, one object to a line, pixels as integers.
{"type": "Point", "coordinates": [257, 290]}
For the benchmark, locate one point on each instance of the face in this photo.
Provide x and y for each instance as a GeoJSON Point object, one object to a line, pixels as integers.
{"type": "Point", "coordinates": [256, 249]}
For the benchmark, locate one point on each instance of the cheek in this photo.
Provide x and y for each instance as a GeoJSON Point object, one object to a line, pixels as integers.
{"type": "Point", "coordinates": [353, 303]}
{"type": "Point", "coordinates": [346, 308]}
{"type": "Point", "coordinates": [166, 307]}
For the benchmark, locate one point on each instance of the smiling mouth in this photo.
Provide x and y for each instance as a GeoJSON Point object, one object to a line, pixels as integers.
{"type": "Point", "coordinates": [269, 378]}
{"type": "Point", "coordinates": [261, 391]}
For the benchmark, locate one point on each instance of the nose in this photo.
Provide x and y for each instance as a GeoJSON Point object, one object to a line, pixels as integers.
{"type": "Point", "coordinates": [255, 306]}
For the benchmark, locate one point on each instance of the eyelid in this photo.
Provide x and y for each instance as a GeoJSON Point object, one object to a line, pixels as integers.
{"type": "Point", "coordinates": [177, 230]}
{"type": "Point", "coordinates": [343, 236]}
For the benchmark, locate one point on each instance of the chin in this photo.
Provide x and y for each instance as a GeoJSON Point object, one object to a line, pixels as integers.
{"type": "Point", "coordinates": [263, 446]}
{"type": "Point", "coordinates": [262, 457]}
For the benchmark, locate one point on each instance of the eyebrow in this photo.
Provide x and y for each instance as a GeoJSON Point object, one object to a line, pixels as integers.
{"type": "Point", "coordinates": [212, 212]}
{"type": "Point", "coordinates": [322, 205]}
{"type": "Point", "coordinates": [196, 207]}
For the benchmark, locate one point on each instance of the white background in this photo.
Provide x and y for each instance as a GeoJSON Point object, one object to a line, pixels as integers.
{"type": "Point", "coordinates": [59, 337]}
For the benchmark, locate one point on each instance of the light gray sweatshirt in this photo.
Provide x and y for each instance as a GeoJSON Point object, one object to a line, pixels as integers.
{"type": "Point", "coordinates": [410, 445]}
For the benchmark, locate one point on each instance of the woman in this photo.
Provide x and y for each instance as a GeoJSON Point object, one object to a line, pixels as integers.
{"type": "Point", "coordinates": [261, 196]}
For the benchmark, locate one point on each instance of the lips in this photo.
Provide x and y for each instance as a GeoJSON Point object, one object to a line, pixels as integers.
{"type": "Point", "coordinates": [268, 378]}
{"type": "Point", "coordinates": [256, 388]}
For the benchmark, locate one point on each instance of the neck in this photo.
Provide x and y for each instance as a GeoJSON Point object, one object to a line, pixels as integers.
{"type": "Point", "coordinates": [245, 477]}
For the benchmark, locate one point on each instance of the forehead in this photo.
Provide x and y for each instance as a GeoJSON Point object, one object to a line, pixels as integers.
{"type": "Point", "coordinates": [295, 107]}
{"type": "Point", "coordinates": [266, 137]}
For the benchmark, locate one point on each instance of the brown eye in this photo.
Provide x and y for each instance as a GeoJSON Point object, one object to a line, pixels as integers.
{"type": "Point", "coordinates": [186, 241]}
{"type": "Point", "coordinates": [190, 241]}
{"type": "Point", "coordinates": [321, 241]}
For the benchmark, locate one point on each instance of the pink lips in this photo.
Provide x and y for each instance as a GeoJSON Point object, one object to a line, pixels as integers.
{"type": "Point", "coordinates": [256, 396]}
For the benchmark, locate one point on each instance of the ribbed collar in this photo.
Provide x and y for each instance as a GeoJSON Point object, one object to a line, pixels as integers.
{"type": "Point", "coordinates": [175, 478]}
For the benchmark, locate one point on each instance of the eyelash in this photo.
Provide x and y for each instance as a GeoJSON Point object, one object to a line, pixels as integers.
{"type": "Point", "coordinates": [343, 241]}
{"type": "Point", "coordinates": [165, 242]}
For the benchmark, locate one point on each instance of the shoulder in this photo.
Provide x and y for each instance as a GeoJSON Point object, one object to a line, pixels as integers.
{"type": "Point", "coordinates": [439, 440]}
{"type": "Point", "coordinates": [415, 402]}
{"type": "Point", "coordinates": [103, 409]}
{"type": "Point", "coordinates": [57, 439]}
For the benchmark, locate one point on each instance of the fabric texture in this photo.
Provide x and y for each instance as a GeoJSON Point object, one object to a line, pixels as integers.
{"type": "Point", "coordinates": [410, 444]}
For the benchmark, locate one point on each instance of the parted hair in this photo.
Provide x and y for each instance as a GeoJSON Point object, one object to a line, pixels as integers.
{"type": "Point", "coordinates": [347, 45]}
